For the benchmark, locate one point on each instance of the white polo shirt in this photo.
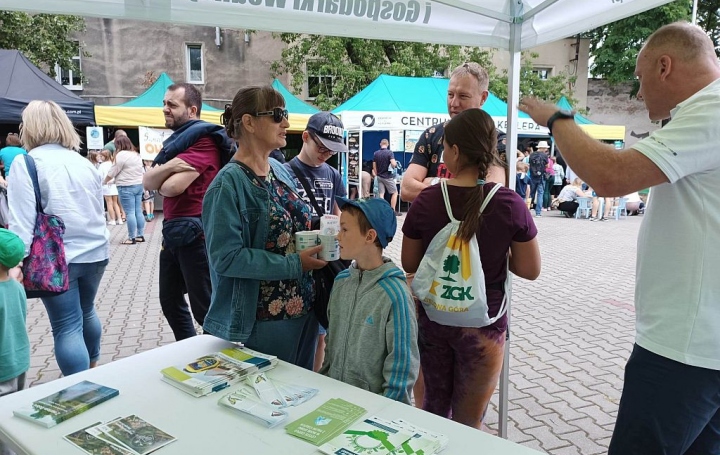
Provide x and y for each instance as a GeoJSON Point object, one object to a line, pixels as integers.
{"type": "Point", "coordinates": [677, 295]}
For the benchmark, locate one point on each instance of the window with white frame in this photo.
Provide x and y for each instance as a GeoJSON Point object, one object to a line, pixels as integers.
{"type": "Point", "coordinates": [195, 63]}
{"type": "Point", "coordinates": [543, 73]}
{"type": "Point", "coordinates": [71, 78]}
{"type": "Point", "coordinates": [317, 82]}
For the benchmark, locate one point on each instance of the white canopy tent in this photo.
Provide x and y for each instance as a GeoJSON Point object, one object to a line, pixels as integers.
{"type": "Point", "coordinates": [512, 25]}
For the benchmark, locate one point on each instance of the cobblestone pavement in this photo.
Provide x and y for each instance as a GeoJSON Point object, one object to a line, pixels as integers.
{"type": "Point", "coordinates": [571, 330]}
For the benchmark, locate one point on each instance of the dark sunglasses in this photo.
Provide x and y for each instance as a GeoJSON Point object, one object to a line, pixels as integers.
{"type": "Point", "coordinates": [278, 114]}
{"type": "Point", "coordinates": [321, 146]}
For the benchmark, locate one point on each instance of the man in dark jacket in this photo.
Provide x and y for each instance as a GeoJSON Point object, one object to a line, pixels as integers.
{"type": "Point", "coordinates": [189, 160]}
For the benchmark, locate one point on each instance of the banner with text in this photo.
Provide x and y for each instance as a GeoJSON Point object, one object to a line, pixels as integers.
{"type": "Point", "coordinates": [151, 141]}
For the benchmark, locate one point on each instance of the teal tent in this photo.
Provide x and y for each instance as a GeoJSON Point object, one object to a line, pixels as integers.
{"type": "Point", "coordinates": [294, 104]}
{"type": "Point", "coordinates": [146, 108]}
{"type": "Point", "coordinates": [414, 103]}
{"type": "Point", "coordinates": [602, 132]}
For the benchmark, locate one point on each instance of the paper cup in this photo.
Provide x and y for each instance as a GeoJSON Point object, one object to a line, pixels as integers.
{"type": "Point", "coordinates": [329, 225]}
{"type": "Point", "coordinates": [305, 240]}
{"type": "Point", "coordinates": [330, 248]}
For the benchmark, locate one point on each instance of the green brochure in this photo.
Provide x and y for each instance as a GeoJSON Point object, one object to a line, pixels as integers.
{"type": "Point", "coordinates": [326, 422]}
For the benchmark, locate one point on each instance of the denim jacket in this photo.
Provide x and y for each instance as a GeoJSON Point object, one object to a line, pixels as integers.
{"type": "Point", "coordinates": [236, 218]}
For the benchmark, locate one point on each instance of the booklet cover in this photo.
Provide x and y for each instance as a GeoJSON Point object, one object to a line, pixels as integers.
{"type": "Point", "coordinates": [94, 445]}
{"type": "Point", "coordinates": [136, 434]}
{"type": "Point", "coordinates": [326, 422]}
{"type": "Point", "coordinates": [207, 374]}
{"type": "Point", "coordinates": [370, 436]}
{"type": "Point", "coordinates": [67, 403]}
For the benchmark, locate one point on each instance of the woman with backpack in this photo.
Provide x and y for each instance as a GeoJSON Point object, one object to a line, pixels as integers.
{"type": "Point", "coordinates": [462, 364]}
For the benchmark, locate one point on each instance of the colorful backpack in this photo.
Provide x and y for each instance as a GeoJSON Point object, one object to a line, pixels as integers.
{"type": "Point", "coordinates": [45, 270]}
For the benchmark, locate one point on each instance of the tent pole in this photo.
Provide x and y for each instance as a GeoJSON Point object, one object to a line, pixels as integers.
{"type": "Point", "coordinates": [511, 154]}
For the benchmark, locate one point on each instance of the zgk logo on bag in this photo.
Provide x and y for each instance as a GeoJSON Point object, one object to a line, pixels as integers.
{"type": "Point", "coordinates": [454, 264]}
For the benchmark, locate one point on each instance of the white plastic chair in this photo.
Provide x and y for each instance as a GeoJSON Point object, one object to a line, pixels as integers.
{"type": "Point", "coordinates": [584, 203]}
{"type": "Point", "coordinates": [620, 208]}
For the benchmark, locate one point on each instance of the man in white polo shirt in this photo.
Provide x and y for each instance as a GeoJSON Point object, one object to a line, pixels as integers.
{"type": "Point", "coordinates": [671, 398]}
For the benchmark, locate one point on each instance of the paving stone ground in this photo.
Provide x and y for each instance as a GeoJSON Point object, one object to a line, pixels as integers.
{"type": "Point", "coordinates": [571, 330]}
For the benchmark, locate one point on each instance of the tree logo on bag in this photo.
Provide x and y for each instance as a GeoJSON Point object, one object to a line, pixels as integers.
{"type": "Point", "coordinates": [451, 265]}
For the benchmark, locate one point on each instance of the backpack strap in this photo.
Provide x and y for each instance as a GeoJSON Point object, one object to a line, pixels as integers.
{"type": "Point", "coordinates": [446, 198]}
{"type": "Point", "coordinates": [302, 179]}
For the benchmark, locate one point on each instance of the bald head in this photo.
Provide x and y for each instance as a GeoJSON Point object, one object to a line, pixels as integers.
{"type": "Point", "coordinates": [682, 41]}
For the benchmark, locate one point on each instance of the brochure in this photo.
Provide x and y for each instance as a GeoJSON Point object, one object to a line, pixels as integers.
{"type": "Point", "coordinates": [370, 436]}
{"type": "Point", "coordinates": [66, 403]}
{"type": "Point", "coordinates": [326, 422]}
{"type": "Point", "coordinates": [243, 400]}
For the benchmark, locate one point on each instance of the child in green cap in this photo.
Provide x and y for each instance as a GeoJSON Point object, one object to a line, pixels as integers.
{"type": "Point", "coordinates": [14, 342]}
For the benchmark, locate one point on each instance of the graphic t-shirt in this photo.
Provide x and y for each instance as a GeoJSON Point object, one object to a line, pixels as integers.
{"type": "Point", "coordinates": [325, 181]}
{"type": "Point", "coordinates": [205, 158]}
{"type": "Point", "coordinates": [428, 152]}
{"type": "Point", "coordinates": [382, 160]}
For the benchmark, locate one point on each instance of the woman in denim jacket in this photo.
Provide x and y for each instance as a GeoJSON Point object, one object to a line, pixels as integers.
{"type": "Point", "coordinates": [262, 289]}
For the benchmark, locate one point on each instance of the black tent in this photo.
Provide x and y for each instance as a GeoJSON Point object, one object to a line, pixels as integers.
{"type": "Point", "coordinates": [22, 82]}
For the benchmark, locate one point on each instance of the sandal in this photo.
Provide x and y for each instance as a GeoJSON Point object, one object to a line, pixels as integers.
{"type": "Point", "coordinates": [128, 242]}
{"type": "Point", "coordinates": [140, 239]}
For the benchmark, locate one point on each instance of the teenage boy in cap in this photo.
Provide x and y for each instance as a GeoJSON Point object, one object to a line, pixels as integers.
{"type": "Point", "coordinates": [14, 342]}
{"type": "Point", "coordinates": [322, 139]}
{"type": "Point", "coordinates": [371, 306]}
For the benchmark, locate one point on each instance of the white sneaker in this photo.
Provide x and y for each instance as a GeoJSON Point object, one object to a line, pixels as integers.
{"type": "Point", "coordinates": [120, 222]}
{"type": "Point", "coordinates": [111, 223]}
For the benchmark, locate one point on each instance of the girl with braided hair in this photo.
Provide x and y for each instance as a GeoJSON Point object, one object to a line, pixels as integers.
{"type": "Point", "coordinates": [462, 365]}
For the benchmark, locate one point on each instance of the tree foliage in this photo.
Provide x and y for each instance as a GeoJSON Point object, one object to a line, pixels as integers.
{"type": "Point", "coordinates": [45, 39]}
{"type": "Point", "coordinates": [615, 46]}
{"type": "Point", "coordinates": [338, 68]}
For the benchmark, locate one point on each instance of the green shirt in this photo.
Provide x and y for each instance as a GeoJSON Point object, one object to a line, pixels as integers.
{"type": "Point", "coordinates": [14, 342]}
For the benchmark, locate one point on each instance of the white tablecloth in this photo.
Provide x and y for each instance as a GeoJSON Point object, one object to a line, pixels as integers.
{"type": "Point", "coordinates": [202, 426]}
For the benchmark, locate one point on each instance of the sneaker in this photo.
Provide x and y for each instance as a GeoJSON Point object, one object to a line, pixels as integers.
{"type": "Point", "coordinates": [592, 218]}
{"type": "Point", "coordinates": [112, 223]}
{"type": "Point", "coordinates": [398, 213]}
{"type": "Point", "coordinates": [120, 222]}
{"type": "Point", "coordinates": [538, 215]}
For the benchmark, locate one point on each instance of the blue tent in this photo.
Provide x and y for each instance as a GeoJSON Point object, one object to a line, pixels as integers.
{"type": "Point", "coordinates": [294, 104]}
{"type": "Point", "coordinates": [563, 103]}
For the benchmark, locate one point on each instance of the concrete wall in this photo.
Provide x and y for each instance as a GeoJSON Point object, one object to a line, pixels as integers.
{"type": "Point", "coordinates": [613, 106]}
{"type": "Point", "coordinates": [563, 56]}
{"type": "Point", "coordinates": [122, 52]}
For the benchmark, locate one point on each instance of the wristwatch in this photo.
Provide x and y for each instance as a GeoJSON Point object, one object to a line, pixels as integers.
{"type": "Point", "coordinates": [562, 113]}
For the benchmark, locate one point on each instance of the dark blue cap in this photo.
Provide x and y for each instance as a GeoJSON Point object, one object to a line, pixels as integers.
{"type": "Point", "coordinates": [378, 212]}
{"type": "Point", "coordinates": [327, 127]}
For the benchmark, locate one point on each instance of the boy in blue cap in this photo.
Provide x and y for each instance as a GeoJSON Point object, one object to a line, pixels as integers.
{"type": "Point", "coordinates": [14, 342]}
{"type": "Point", "coordinates": [372, 340]}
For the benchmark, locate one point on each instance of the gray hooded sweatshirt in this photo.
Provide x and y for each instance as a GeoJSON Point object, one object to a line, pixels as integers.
{"type": "Point", "coordinates": [372, 338]}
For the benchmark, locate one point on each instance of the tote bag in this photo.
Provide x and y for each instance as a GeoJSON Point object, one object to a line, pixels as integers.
{"type": "Point", "coordinates": [45, 270]}
{"type": "Point", "coordinates": [450, 281]}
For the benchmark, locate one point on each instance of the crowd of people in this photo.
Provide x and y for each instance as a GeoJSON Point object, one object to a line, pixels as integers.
{"type": "Point", "coordinates": [231, 213]}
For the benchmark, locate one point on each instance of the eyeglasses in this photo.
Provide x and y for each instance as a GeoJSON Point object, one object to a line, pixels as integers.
{"type": "Point", "coordinates": [321, 147]}
{"type": "Point", "coordinates": [278, 114]}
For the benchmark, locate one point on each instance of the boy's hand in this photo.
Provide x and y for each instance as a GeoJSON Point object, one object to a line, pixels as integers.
{"type": "Point", "coordinates": [308, 261]}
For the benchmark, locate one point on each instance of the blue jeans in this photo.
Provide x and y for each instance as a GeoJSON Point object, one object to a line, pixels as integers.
{"type": "Point", "coordinates": [75, 325]}
{"type": "Point", "coordinates": [667, 408]}
{"type": "Point", "coordinates": [537, 186]}
{"type": "Point", "coordinates": [131, 201]}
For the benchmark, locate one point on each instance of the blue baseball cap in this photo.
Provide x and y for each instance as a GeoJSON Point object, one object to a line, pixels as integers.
{"type": "Point", "coordinates": [327, 127]}
{"type": "Point", "coordinates": [378, 212]}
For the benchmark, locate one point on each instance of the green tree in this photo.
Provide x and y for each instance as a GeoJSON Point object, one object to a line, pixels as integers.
{"type": "Point", "coordinates": [615, 46]}
{"type": "Point", "coordinates": [451, 265]}
{"type": "Point", "coordinates": [337, 68]}
{"type": "Point", "coordinates": [45, 39]}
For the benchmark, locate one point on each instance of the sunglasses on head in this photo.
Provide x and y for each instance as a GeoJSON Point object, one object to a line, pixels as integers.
{"type": "Point", "coordinates": [278, 114]}
{"type": "Point", "coordinates": [321, 146]}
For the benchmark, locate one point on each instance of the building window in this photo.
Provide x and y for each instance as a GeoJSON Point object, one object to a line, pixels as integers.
{"type": "Point", "coordinates": [317, 82]}
{"type": "Point", "coordinates": [543, 73]}
{"type": "Point", "coordinates": [195, 67]}
{"type": "Point", "coordinates": [71, 78]}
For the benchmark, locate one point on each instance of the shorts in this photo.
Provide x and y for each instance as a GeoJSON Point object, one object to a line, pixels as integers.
{"type": "Point", "coordinates": [386, 184]}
